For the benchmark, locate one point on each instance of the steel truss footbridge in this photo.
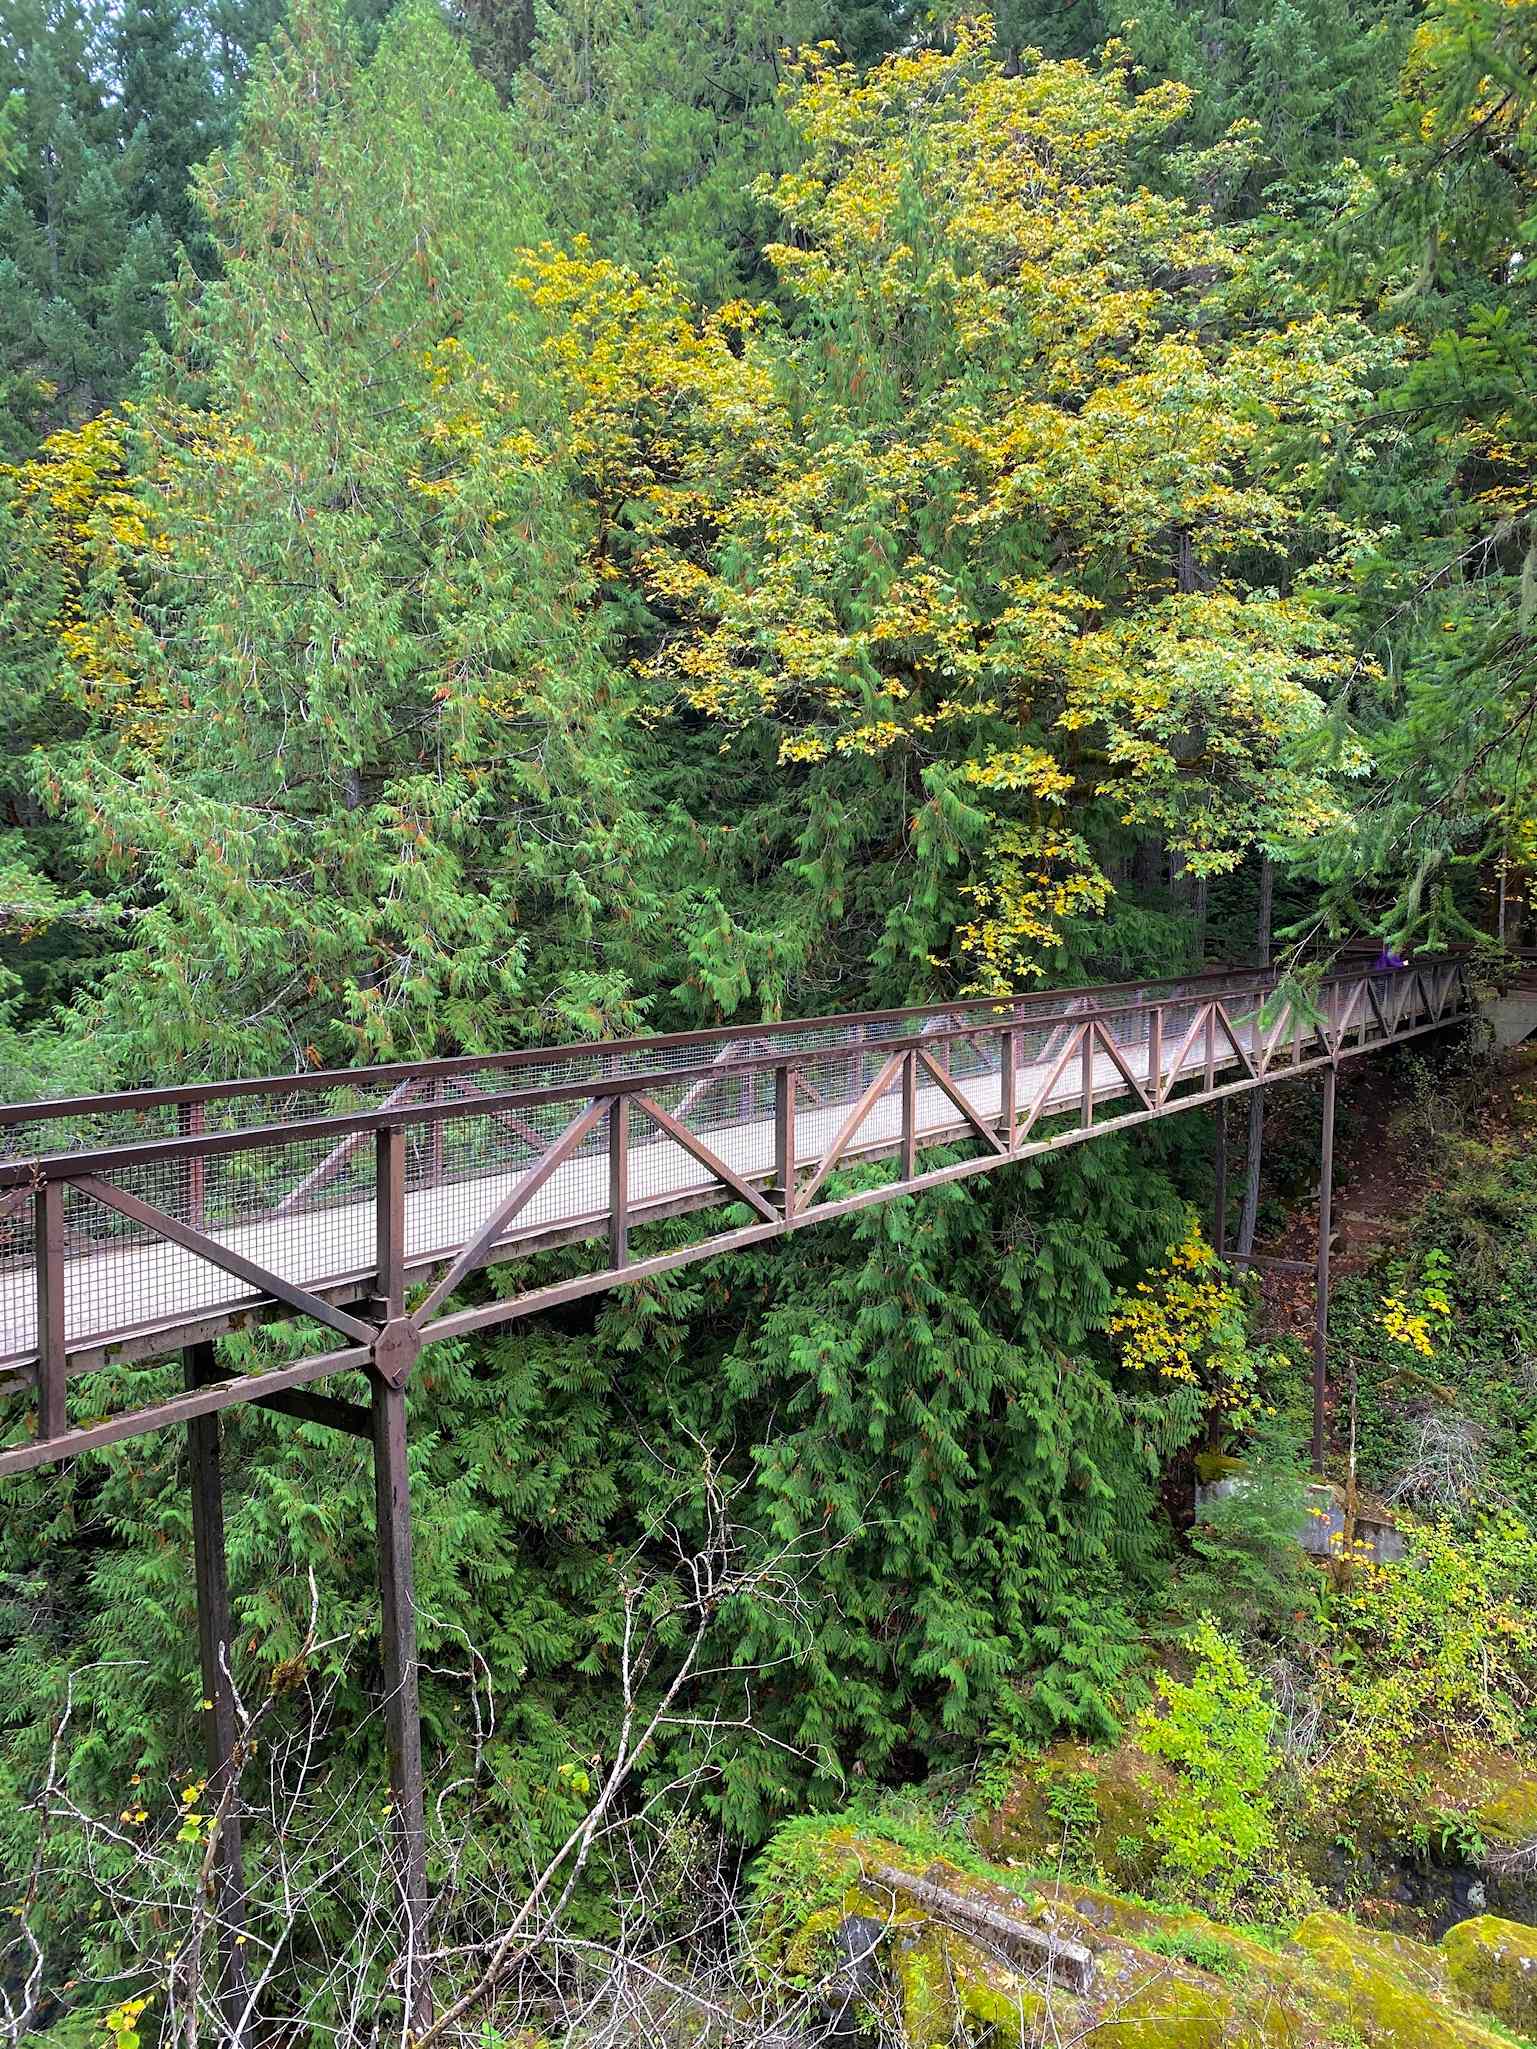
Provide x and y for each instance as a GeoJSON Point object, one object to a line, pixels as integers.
{"type": "Point", "coordinates": [151, 1222]}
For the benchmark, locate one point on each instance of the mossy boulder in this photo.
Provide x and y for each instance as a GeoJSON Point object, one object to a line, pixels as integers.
{"type": "Point", "coordinates": [1506, 1810]}
{"type": "Point", "coordinates": [950, 1967]}
{"type": "Point", "coordinates": [1493, 1965]}
{"type": "Point", "coordinates": [1172, 2009]}
{"type": "Point", "coordinates": [951, 1989]}
{"type": "Point", "coordinates": [1397, 1993]}
{"type": "Point", "coordinates": [1089, 1808]}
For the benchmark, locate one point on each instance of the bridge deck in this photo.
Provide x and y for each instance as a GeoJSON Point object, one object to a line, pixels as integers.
{"type": "Point", "coordinates": [114, 1290]}
{"type": "Point", "coordinates": [180, 1213]}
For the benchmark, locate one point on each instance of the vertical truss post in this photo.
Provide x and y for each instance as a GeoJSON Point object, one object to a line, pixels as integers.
{"type": "Point", "coordinates": [909, 1115]}
{"type": "Point", "coordinates": [1219, 1192]}
{"type": "Point", "coordinates": [48, 1257]}
{"type": "Point", "coordinates": [1321, 1304]}
{"type": "Point", "coordinates": [1155, 1056]}
{"type": "Point", "coordinates": [1008, 1084]}
{"type": "Point", "coordinates": [220, 1734]}
{"type": "Point", "coordinates": [619, 1180]}
{"type": "Point", "coordinates": [402, 1715]}
{"type": "Point", "coordinates": [783, 1190]}
{"type": "Point", "coordinates": [390, 1218]}
{"type": "Point", "coordinates": [397, 1586]}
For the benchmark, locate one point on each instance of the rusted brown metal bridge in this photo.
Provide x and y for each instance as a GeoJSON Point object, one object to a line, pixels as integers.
{"type": "Point", "coordinates": [137, 1225]}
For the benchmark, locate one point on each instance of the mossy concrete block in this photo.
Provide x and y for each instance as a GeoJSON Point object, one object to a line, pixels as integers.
{"type": "Point", "coordinates": [1493, 1964]}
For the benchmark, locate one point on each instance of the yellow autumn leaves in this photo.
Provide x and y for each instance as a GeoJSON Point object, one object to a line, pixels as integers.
{"type": "Point", "coordinates": [1184, 1325]}
{"type": "Point", "coordinates": [986, 504]}
{"type": "Point", "coordinates": [993, 514]}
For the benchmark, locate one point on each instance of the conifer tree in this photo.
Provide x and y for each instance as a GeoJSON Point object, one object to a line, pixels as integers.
{"type": "Point", "coordinates": [168, 110]}
{"type": "Point", "coordinates": [1437, 482]}
{"type": "Point", "coordinates": [649, 123]}
{"type": "Point", "coordinates": [79, 269]}
{"type": "Point", "coordinates": [376, 807]}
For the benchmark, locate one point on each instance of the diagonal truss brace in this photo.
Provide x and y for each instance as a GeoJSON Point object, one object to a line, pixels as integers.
{"type": "Point", "coordinates": [222, 1256]}
{"type": "Point", "coordinates": [1138, 1087]}
{"type": "Point", "coordinates": [989, 1137]}
{"type": "Point", "coordinates": [528, 1186]}
{"type": "Point", "coordinates": [849, 1127]}
{"type": "Point", "coordinates": [727, 1176]}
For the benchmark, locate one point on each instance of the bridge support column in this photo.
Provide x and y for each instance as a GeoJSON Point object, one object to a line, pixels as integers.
{"type": "Point", "coordinates": [1219, 1176]}
{"type": "Point", "coordinates": [1321, 1303]}
{"type": "Point", "coordinates": [402, 1714]}
{"type": "Point", "coordinates": [395, 1353]}
{"type": "Point", "coordinates": [220, 1734]}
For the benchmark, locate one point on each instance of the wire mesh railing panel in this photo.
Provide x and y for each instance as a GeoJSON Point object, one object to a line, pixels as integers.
{"type": "Point", "coordinates": [95, 1124]}
{"type": "Point", "coordinates": [660, 1169]}
{"type": "Point", "coordinates": [302, 1205]}
{"type": "Point", "coordinates": [18, 1275]}
{"type": "Point", "coordinates": [737, 1126]}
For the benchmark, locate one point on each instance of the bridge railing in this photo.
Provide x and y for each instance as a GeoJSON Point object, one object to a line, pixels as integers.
{"type": "Point", "coordinates": [125, 1221]}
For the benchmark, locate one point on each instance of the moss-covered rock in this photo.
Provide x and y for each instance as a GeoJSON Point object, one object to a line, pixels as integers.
{"type": "Point", "coordinates": [1506, 1813]}
{"type": "Point", "coordinates": [1397, 1992]}
{"type": "Point", "coordinates": [931, 2013]}
{"type": "Point", "coordinates": [952, 1989]}
{"type": "Point", "coordinates": [1493, 1965]}
{"type": "Point", "coordinates": [1171, 2009]}
{"type": "Point", "coordinates": [1091, 1808]}
{"type": "Point", "coordinates": [1162, 1978]}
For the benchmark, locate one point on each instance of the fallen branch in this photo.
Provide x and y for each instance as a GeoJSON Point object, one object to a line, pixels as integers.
{"type": "Point", "coordinates": [1069, 1963]}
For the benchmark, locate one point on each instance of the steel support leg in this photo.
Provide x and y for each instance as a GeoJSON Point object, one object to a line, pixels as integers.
{"type": "Point", "coordinates": [392, 1511]}
{"type": "Point", "coordinates": [219, 1724]}
{"type": "Point", "coordinates": [1219, 1193]}
{"type": "Point", "coordinates": [1321, 1307]}
{"type": "Point", "coordinates": [1248, 1218]}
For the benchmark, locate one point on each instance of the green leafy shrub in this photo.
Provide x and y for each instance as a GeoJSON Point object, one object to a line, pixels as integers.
{"type": "Point", "coordinates": [1417, 1667]}
{"type": "Point", "coordinates": [1214, 1731]}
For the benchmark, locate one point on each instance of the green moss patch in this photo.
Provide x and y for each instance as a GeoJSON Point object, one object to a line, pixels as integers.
{"type": "Point", "coordinates": [1493, 1965]}
{"type": "Point", "coordinates": [1088, 1809]}
{"type": "Point", "coordinates": [1164, 1978]}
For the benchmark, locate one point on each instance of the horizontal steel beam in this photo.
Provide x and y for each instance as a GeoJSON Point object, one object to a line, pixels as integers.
{"type": "Point", "coordinates": [40, 1168]}
{"type": "Point", "coordinates": [182, 1408]}
{"type": "Point", "coordinates": [583, 1049]}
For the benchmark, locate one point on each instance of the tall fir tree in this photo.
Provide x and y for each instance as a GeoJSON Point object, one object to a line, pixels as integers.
{"type": "Point", "coordinates": [169, 110]}
{"type": "Point", "coordinates": [79, 268]}
{"type": "Point", "coordinates": [377, 806]}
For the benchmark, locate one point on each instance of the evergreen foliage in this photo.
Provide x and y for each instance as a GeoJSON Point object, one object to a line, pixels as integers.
{"type": "Point", "coordinates": [79, 268]}
{"type": "Point", "coordinates": [375, 774]}
{"type": "Point", "coordinates": [530, 523]}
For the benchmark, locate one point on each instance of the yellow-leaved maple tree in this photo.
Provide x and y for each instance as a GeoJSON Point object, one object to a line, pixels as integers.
{"type": "Point", "coordinates": [1011, 503]}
